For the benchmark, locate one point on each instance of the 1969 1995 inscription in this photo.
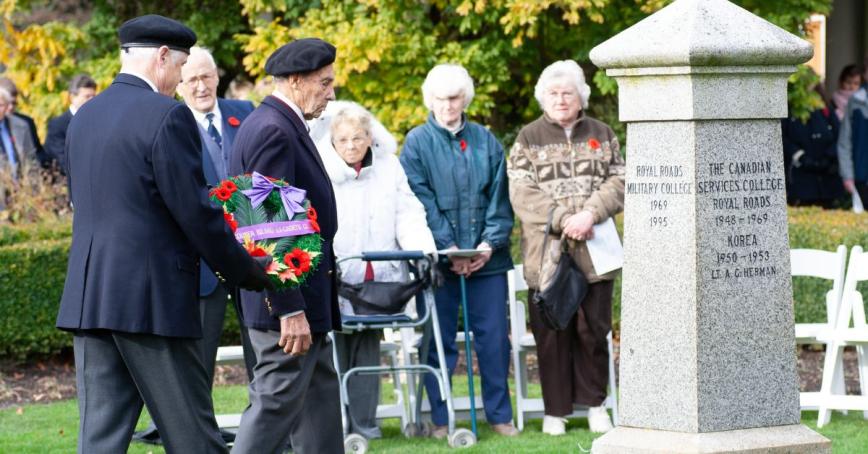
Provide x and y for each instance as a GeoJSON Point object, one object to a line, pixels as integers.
{"type": "Point", "coordinates": [661, 182]}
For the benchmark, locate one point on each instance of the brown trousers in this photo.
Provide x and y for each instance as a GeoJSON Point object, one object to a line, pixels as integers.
{"type": "Point", "coordinates": [574, 363]}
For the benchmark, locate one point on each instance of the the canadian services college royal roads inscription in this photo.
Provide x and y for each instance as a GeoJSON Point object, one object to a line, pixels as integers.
{"type": "Point", "coordinates": [740, 193]}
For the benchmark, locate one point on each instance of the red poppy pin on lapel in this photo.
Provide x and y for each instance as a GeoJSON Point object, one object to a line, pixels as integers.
{"type": "Point", "coordinates": [594, 143]}
{"type": "Point", "coordinates": [234, 122]}
{"type": "Point", "coordinates": [463, 144]}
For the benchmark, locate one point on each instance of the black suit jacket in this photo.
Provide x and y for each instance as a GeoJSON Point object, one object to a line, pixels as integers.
{"type": "Point", "coordinates": [274, 142]}
{"type": "Point", "coordinates": [41, 155]}
{"type": "Point", "coordinates": [142, 216]}
{"type": "Point", "coordinates": [56, 138]}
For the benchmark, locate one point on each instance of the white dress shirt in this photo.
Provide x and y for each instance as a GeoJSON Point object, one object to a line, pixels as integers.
{"type": "Point", "coordinates": [277, 94]}
{"type": "Point", "coordinates": [218, 118]}
{"type": "Point", "coordinates": [143, 77]}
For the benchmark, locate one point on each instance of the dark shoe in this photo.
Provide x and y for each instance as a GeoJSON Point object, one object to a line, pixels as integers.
{"type": "Point", "coordinates": [148, 436]}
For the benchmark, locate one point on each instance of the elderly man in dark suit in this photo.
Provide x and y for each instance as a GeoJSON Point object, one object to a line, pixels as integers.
{"type": "Point", "coordinates": [82, 88]}
{"type": "Point", "coordinates": [17, 148]}
{"type": "Point", "coordinates": [142, 219]}
{"type": "Point", "coordinates": [40, 154]}
{"type": "Point", "coordinates": [294, 393]}
{"type": "Point", "coordinates": [217, 121]}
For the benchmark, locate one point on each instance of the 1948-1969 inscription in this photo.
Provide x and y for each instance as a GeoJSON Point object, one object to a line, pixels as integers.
{"type": "Point", "coordinates": [741, 193]}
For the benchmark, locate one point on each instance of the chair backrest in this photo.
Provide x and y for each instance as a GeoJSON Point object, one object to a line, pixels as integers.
{"type": "Point", "coordinates": [857, 270]}
{"type": "Point", "coordinates": [822, 264]}
{"type": "Point", "coordinates": [518, 318]}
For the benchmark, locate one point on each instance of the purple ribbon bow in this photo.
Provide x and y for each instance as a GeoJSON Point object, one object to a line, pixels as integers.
{"type": "Point", "coordinates": [291, 197]}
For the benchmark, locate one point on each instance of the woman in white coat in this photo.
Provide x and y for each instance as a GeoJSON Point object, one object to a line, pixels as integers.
{"type": "Point", "coordinates": [377, 211]}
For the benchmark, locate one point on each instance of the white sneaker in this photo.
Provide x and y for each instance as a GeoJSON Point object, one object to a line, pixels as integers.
{"type": "Point", "coordinates": [554, 425]}
{"type": "Point", "coordinates": [598, 420]}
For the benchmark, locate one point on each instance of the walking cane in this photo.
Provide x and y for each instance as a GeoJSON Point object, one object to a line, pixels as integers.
{"type": "Point", "coordinates": [468, 354]}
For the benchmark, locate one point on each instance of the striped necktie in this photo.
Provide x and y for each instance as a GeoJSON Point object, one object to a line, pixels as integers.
{"type": "Point", "coordinates": [212, 130]}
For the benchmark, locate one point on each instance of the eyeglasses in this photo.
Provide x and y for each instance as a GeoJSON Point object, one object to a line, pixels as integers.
{"type": "Point", "coordinates": [355, 140]}
{"type": "Point", "coordinates": [205, 79]}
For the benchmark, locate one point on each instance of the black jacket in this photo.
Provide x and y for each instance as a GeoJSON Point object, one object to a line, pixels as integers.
{"type": "Point", "coordinates": [811, 159]}
{"type": "Point", "coordinates": [56, 139]}
{"type": "Point", "coordinates": [274, 142]}
{"type": "Point", "coordinates": [142, 216]}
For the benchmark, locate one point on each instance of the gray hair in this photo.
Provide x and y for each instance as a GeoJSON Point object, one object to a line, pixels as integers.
{"type": "Point", "coordinates": [7, 84]}
{"type": "Point", "coordinates": [131, 54]}
{"type": "Point", "coordinates": [6, 96]}
{"type": "Point", "coordinates": [201, 52]}
{"type": "Point", "coordinates": [447, 80]}
{"type": "Point", "coordinates": [566, 70]}
{"type": "Point", "coordinates": [354, 115]}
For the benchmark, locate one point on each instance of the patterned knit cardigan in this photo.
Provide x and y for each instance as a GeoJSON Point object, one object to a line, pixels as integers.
{"type": "Point", "coordinates": [548, 171]}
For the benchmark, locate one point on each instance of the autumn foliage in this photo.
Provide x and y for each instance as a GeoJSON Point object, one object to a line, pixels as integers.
{"type": "Point", "coordinates": [385, 47]}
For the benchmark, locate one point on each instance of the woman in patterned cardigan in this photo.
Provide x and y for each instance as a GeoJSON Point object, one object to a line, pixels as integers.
{"type": "Point", "coordinates": [568, 166]}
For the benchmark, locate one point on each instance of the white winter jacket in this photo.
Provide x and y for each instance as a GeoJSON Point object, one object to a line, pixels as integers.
{"type": "Point", "coordinates": [377, 210]}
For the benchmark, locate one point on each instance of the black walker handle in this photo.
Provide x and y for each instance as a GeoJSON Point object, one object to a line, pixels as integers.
{"type": "Point", "coordinates": [379, 256]}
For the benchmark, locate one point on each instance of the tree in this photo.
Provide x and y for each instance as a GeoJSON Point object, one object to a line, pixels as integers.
{"type": "Point", "coordinates": [385, 47]}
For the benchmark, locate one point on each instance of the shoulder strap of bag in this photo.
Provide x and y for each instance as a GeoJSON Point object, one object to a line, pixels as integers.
{"type": "Point", "coordinates": [546, 238]}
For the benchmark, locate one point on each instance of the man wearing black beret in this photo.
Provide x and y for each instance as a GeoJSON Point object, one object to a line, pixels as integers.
{"type": "Point", "coordinates": [142, 220]}
{"type": "Point", "coordinates": [294, 393]}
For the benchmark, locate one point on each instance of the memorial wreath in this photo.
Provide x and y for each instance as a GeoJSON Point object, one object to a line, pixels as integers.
{"type": "Point", "coordinates": [270, 217]}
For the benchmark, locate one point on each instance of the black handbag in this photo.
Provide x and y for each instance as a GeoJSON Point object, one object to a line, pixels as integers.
{"type": "Point", "coordinates": [562, 287]}
{"type": "Point", "coordinates": [383, 298]}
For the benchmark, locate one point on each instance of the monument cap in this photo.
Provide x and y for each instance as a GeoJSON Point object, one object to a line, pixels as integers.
{"type": "Point", "coordinates": [153, 30]}
{"type": "Point", "coordinates": [701, 33]}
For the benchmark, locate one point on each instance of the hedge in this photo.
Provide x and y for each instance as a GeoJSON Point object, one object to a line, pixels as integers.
{"type": "Point", "coordinates": [31, 283]}
{"type": "Point", "coordinates": [34, 260]}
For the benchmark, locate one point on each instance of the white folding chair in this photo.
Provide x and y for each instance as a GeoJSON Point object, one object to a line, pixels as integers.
{"type": "Point", "coordinates": [523, 342]}
{"type": "Point", "coordinates": [852, 309]}
{"type": "Point", "coordinates": [830, 266]}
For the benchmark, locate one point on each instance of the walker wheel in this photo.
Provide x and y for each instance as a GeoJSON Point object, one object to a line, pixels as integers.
{"type": "Point", "coordinates": [462, 438]}
{"type": "Point", "coordinates": [355, 444]}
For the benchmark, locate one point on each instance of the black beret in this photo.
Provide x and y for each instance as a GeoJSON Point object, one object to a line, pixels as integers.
{"type": "Point", "coordinates": [300, 56]}
{"type": "Point", "coordinates": [154, 31]}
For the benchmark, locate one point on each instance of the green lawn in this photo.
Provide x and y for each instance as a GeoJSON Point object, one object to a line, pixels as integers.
{"type": "Point", "coordinates": [52, 428]}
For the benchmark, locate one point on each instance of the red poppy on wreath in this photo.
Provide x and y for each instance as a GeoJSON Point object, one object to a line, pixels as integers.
{"type": "Point", "coordinates": [311, 214]}
{"type": "Point", "coordinates": [223, 194]}
{"type": "Point", "coordinates": [463, 144]}
{"type": "Point", "coordinates": [212, 192]}
{"type": "Point", "coordinates": [234, 122]}
{"type": "Point", "coordinates": [298, 261]}
{"type": "Point", "coordinates": [594, 143]}
{"type": "Point", "coordinates": [229, 185]}
{"type": "Point", "coordinates": [314, 225]}
{"type": "Point", "coordinates": [233, 224]}
{"type": "Point", "coordinates": [256, 251]}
